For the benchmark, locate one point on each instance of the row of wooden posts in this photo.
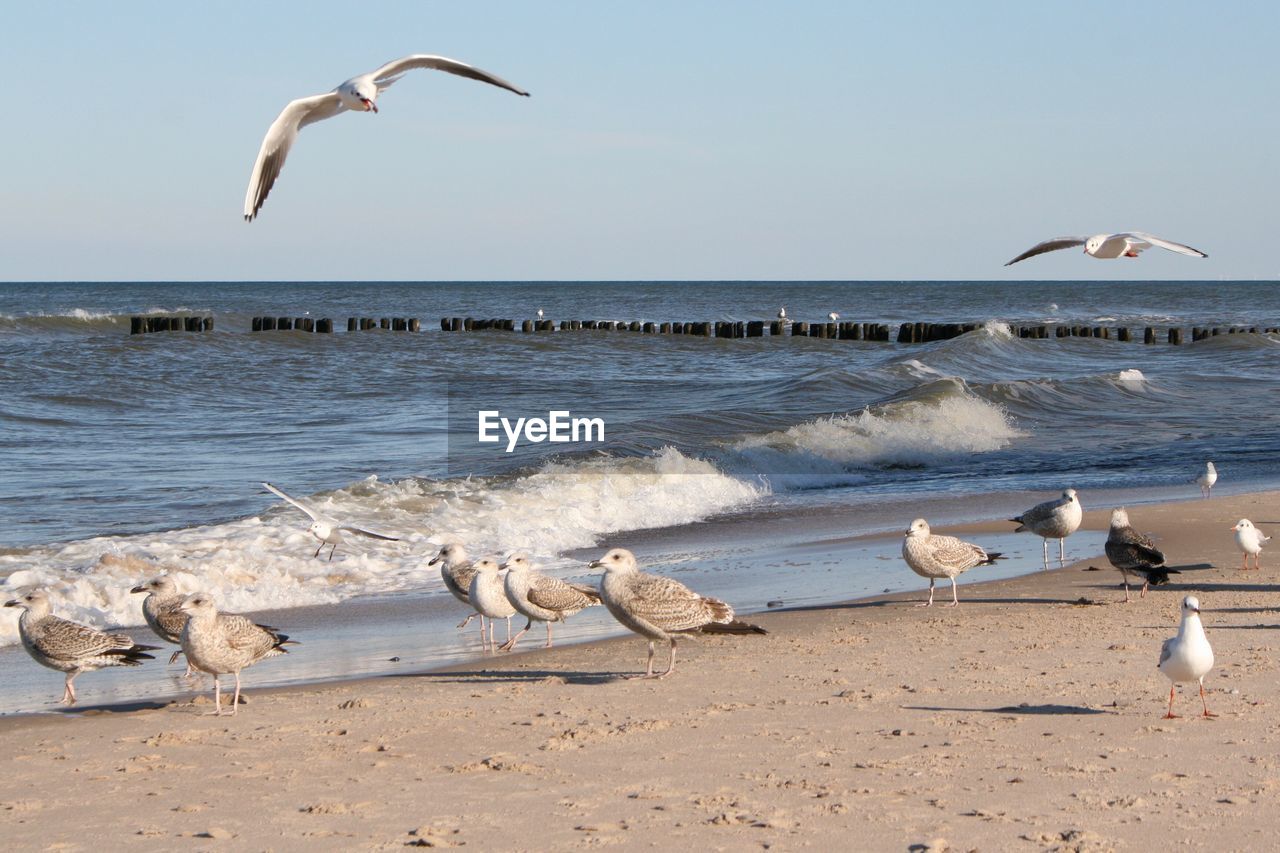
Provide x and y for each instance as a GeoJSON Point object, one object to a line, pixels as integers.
{"type": "Point", "coordinates": [143, 325]}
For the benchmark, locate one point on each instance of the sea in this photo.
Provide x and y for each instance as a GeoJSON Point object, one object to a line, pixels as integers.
{"type": "Point", "coordinates": [770, 471]}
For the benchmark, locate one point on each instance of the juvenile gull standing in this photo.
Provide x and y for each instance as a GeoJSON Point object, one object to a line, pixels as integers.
{"type": "Point", "coordinates": [68, 646]}
{"type": "Point", "coordinates": [542, 598]}
{"type": "Point", "coordinates": [327, 530]}
{"type": "Point", "coordinates": [1056, 519]}
{"type": "Point", "coordinates": [222, 643]}
{"type": "Point", "coordinates": [659, 608]}
{"type": "Point", "coordinates": [162, 608]}
{"type": "Point", "coordinates": [1133, 553]}
{"type": "Point", "coordinates": [1249, 539]}
{"type": "Point", "coordinates": [457, 572]}
{"type": "Point", "coordinates": [935, 557]}
{"type": "Point", "coordinates": [1206, 479]}
{"type": "Point", "coordinates": [488, 596]}
{"type": "Point", "coordinates": [1188, 656]}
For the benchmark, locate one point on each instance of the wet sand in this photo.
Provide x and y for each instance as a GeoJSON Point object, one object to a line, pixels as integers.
{"type": "Point", "coordinates": [1030, 717]}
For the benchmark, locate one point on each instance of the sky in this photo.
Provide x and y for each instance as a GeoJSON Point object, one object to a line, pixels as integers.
{"type": "Point", "coordinates": [681, 139]}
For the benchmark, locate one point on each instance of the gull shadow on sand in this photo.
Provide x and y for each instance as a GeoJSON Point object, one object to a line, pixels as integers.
{"type": "Point", "coordinates": [1036, 710]}
{"type": "Point", "coordinates": [495, 676]}
{"type": "Point", "coordinates": [114, 708]}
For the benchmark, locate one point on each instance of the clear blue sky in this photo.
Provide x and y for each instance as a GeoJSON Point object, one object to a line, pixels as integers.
{"type": "Point", "coordinates": [689, 140]}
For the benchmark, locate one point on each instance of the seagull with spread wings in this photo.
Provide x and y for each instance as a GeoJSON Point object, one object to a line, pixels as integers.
{"type": "Point", "coordinates": [1105, 246]}
{"type": "Point", "coordinates": [327, 530]}
{"type": "Point", "coordinates": [359, 94]}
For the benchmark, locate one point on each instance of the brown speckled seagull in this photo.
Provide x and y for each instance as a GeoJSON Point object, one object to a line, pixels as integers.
{"type": "Point", "coordinates": [222, 643]}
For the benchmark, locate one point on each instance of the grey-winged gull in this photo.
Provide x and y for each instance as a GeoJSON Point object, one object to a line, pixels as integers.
{"type": "Point", "coordinates": [932, 556]}
{"type": "Point", "coordinates": [1126, 244]}
{"type": "Point", "coordinates": [488, 596]}
{"type": "Point", "coordinates": [456, 570]}
{"type": "Point", "coordinates": [1249, 540]}
{"type": "Point", "coordinates": [659, 608]}
{"type": "Point", "coordinates": [1055, 519]}
{"type": "Point", "coordinates": [222, 643]}
{"type": "Point", "coordinates": [162, 608]}
{"type": "Point", "coordinates": [1134, 553]}
{"type": "Point", "coordinates": [328, 530]}
{"type": "Point", "coordinates": [70, 647]}
{"type": "Point", "coordinates": [1188, 656]}
{"type": "Point", "coordinates": [541, 598]}
{"type": "Point", "coordinates": [1206, 479]}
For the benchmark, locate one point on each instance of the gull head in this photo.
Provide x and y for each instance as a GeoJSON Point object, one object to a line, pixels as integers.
{"type": "Point", "coordinates": [359, 95]}
{"type": "Point", "coordinates": [919, 529]}
{"type": "Point", "coordinates": [1243, 525]}
{"type": "Point", "coordinates": [1190, 604]}
{"type": "Point", "coordinates": [451, 554]}
{"type": "Point", "coordinates": [321, 530]}
{"type": "Point", "coordinates": [198, 604]}
{"type": "Point", "coordinates": [162, 585]}
{"type": "Point", "coordinates": [1093, 244]}
{"type": "Point", "coordinates": [487, 566]}
{"type": "Point", "coordinates": [1119, 517]}
{"type": "Point", "coordinates": [1069, 495]}
{"type": "Point", "coordinates": [35, 602]}
{"type": "Point", "coordinates": [517, 563]}
{"type": "Point", "coordinates": [616, 560]}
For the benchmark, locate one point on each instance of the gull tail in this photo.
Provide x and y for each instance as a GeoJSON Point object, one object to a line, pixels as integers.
{"type": "Point", "coordinates": [992, 557]}
{"type": "Point", "coordinates": [133, 655]}
{"type": "Point", "coordinates": [1155, 578]}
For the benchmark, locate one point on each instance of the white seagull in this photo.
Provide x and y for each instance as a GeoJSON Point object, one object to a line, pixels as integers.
{"type": "Point", "coordinates": [540, 314]}
{"type": "Point", "coordinates": [782, 313]}
{"type": "Point", "coordinates": [359, 94]}
{"type": "Point", "coordinates": [327, 530]}
{"type": "Point", "coordinates": [1056, 519]}
{"type": "Point", "coordinates": [1249, 539]}
{"type": "Point", "coordinates": [1188, 656]}
{"type": "Point", "coordinates": [1124, 245]}
{"type": "Point", "coordinates": [1206, 479]}
{"type": "Point", "coordinates": [833, 316]}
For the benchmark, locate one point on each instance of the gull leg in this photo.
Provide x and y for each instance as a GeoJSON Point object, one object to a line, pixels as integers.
{"type": "Point", "coordinates": [511, 641]}
{"type": "Point", "coordinates": [1046, 552]}
{"type": "Point", "coordinates": [481, 629]}
{"type": "Point", "coordinates": [930, 601]}
{"type": "Point", "coordinates": [1171, 715]}
{"type": "Point", "coordinates": [1207, 712]}
{"type": "Point", "coordinates": [1062, 552]}
{"type": "Point", "coordinates": [548, 635]}
{"type": "Point", "coordinates": [217, 698]}
{"type": "Point", "coordinates": [1125, 575]}
{"type": "Point", "coordinates": [465, 622]}
{"type": "Point", "coordinates": [331, 550]}
{"type": "Point", "coordinates": [671, 667]}
{"type": "Point", "coordinates": [1244, 564]}
{"type": "Point", "coordinates": [1145, 584]}
{"type": "Point", "coordinates": [318, 550]}
{"type": "Point", "coordinates": [508, 629]}
{"type": "Point", "coordinates": [69, 690]}
{"type": "Point", "coordinates": [648, 673]}
{"type": "Point", "coordinates": [955, 599]}
{"type": "Point", "coordinates": [235, 701]}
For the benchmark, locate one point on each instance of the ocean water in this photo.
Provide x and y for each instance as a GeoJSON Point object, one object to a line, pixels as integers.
{"type": "Point", "coordinates": [122, 454]}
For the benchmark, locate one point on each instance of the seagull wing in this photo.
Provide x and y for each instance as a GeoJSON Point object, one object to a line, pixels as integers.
{"type": "Point", "coordinates": [279, 139]}
{"type": "Point", "coordinates": [1049, 246]}
{"type": "Point", "coordinates": [361, 531]}
{"type": "Point", "coordinates": [64, 640]}
{"type": "Point", "coordinates": [1166, 650]}
{"type": "Point", "coordinates": [390, 73]}
{"type": "Point", "coordinates": [315, 516]}
{"type": "Point", "coordinates": [1164, 244]}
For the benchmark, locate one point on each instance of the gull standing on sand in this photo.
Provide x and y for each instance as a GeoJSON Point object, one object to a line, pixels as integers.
{"type": "Point", "coordinates": [1249, 539]}
{"type": "Point", "coordinates": [1188, 656]}
{"type": "Point", "coordinates": [1126, 244]}
{"type": "Point", "coordinates": [541, 598]}
{"type": "Point", "coordinates": [327, 530]}
{"type": "Point", "coordinates": [457, 572]}
{"type": "Point", "coordinates": [70, 647]}
{"type": "Point", "coordinates": [222, 643]}
{"type": "Point", "coordinates": [162, 608]}
{"type": "Point", "coordinates": [1056, 519]}
{"type": "Point", "coordinates": [935, 557]}
{"type": "Point", "coordinates": [488, 595]}
{"type": "Point", "coordinates": [1133, 553]}
{"type": "Point", "coordinates": [659, 608]}
{"type": "Point", "coordinates": [1206, 479]}
{"type": "Point", "coordinates": [359, 94]}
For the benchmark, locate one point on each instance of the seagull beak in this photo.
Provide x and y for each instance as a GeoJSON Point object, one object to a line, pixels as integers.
{"type": "Point", "coordinates": [14, 603]}
{"type": "Point", "coordinates": [138, 589]}
{"type": "Point", "coordinates": [595, 564]}
{"type": "Point", "coordinates": [369, 105]}
{"type": "Point", "coordinates": [433, 560]}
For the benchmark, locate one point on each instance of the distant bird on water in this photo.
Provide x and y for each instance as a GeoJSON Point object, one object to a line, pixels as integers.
{"type": "Point", "coordinates": [542, 598]}
{"type": "Point", "coordinates": [70, 647]}
{"type": "Point", "coordinates": [659, 608]}
{"type": "Point", "coordinates": [359, 94]}
{"type": "Point", "coordinates": [1249, 540]}
{"type": "Point", "coordinates": [1188, 656]}
{"type": "Point", "coordinates": [328, 530]}
{"type": "Point", "coordinates": [1056, 519]}
{"type": "Point", "coordinates": [935, 557]}
{"type": "Point", "coordinates": [162, 608]}
{"type": "Point", "coordinates": [1133, 553]}
{"type": "Point", "coordinates": [1206, 479]}
{"type": "Point", "coordinates": [833, 316]}
{"type": "Point", "coordinates": [1123, 245]}
{"type": "Point", "coordinates": [225, 643]}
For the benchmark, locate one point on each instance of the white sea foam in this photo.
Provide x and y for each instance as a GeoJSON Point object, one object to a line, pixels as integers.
{"type": "Point", "coordinates": [266, 562]}
{"type": "Point", "coordinates": [997, 329]}
{"type": "Point", "coordinates": [1132, 374]}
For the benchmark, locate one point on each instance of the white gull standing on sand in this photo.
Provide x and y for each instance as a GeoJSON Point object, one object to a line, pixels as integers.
{"type": "Point", "coordinates": [541, 598]}
{"type": "Point", "coordinates": [659, 608]}
{"type": "Point", "coordinates": [1126, 244]}
{"type": "Point", "coordinates": [1206, 479]}
{"type": "Point", "coordinates": [1134, 553]}
{"type": "Point", "coordinates": [222, 643]}
{"type": "Point", "coordinates": [359, 94]}
{"type": "Point", "coordinates": [1055, 519]}
{"type": "Point", "coordinates": [1249, 540]}
{"type": "Point", "coordinates": [328, 530]}
{"type": "Point", "coordinates": [488, 595]}
{"type": "Point", "coordinates": [935, 557]}
{"type": "Point", "coordinates": [457, 571]}
{"type": "Point", "coordinates": [1188, 656]}
{"type": "Point", "coordinates": [70, 647]}
{"type": "Point", "coordinates": [162, 608]}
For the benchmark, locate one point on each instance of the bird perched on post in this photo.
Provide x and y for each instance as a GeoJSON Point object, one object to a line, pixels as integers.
{"type": "Point", "coordinates": [1249, 539]}
{"type": "Point", "coordinates": [935, 557]}
{"type": "Point", "coordinates": [659, 608]}
{"type": "Point", "coordinates": [70, 647]}
{"type": "Point", "coordinates": [1056, 519]}
{"type": "Point", "coordinates": [541, 598]}
{"type": "Point", "coordinates": [1206, 479]}
{"type": "Point", "coordinates": [1188, 656]}
{"type": "Point", "coordinates": [1133, 553]}
{"type": "Point", "coordinates": [223, 643]}
{"type": "Point", "coordinates": [162, 608]}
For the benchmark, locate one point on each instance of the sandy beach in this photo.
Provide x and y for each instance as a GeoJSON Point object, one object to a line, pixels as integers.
{"type": "Point", "coordinates": [1030, 717]}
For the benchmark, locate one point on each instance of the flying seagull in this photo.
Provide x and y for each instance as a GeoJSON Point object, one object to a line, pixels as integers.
{"type": "Point", "coordinates": [1124, 245]}
{"type": "Point", "coordinates": [327, 530]}
{"type": "Point", "coordinates": [359, 94]}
